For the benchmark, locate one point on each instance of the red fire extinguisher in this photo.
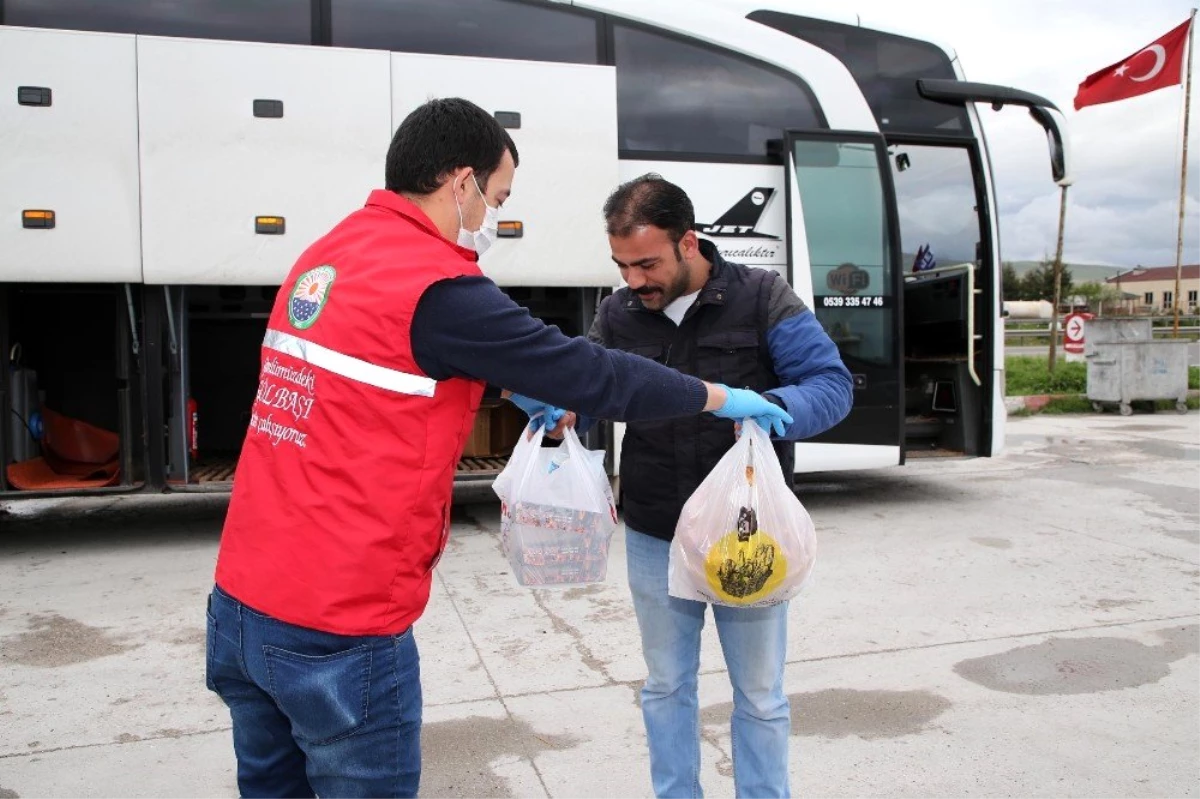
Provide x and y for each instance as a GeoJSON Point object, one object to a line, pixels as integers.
{"type": "Point", "coordinates": [193, 418]}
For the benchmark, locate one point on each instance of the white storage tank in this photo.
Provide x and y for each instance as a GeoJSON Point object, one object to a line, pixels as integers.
{"type": "Point", "coordinates": [1028, 309]}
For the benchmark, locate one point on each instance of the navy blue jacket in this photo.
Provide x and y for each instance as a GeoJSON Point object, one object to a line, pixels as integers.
{"type": "Point", "coordinates": [467, 327]}
{"type": "Point", "coordinates": [746, 329]}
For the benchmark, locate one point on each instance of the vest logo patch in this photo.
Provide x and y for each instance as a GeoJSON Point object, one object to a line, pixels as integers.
{"type": "Point", "coordinates": [309, 296]}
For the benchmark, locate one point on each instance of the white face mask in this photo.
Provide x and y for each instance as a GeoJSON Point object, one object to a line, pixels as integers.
{"type": "Point", "coordinates": [481, 239]}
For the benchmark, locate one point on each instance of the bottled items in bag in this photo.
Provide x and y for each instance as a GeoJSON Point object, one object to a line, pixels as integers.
{"type": "Point", "coordinates": [557, 513]}
{"type": "Point", "coordinates": [743, 538]}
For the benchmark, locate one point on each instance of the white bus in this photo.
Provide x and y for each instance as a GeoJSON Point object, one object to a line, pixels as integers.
{"type": "Point", "coordinates": [163, 164]}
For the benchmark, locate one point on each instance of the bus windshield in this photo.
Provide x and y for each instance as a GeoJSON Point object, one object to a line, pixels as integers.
{"type": "Point", "coordinates": [886, 68]}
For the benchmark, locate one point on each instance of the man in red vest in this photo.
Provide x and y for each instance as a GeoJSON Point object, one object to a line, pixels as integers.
{"type": "Point", "coordinates": [376, 356]}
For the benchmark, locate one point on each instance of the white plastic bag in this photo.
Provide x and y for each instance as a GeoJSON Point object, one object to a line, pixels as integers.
{"type": "Point", "coordinates": [743, 538]}
{"type": "Point", "coordinates": [557, 513]}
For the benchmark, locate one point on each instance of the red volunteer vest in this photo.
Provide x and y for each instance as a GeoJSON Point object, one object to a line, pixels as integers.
{"type": "Point", "coordinates": [341, 499]}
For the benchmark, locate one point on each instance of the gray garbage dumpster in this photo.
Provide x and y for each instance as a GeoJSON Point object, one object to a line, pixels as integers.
{"type": "Point", "coordinates": [1098, 332]}
{"type": "Point", "coordinates": [1125, 363]}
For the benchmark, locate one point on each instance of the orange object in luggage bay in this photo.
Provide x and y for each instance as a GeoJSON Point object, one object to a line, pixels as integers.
{"type": "Point", "coordinates": [75, 455]}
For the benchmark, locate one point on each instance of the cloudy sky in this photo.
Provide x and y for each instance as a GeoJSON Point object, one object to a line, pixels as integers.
{"type": "Point", "coordinates": [1123, 208]}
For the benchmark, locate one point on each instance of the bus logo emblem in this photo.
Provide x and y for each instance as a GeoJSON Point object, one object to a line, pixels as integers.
{"type": "Point", "coordinates": [848, 279]}
{"type": "Point", "coordinates": [741, 220]}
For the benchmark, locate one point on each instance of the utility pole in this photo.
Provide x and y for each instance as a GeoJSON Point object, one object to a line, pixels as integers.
{"type": "Point", "coordinates": [1058, 270]}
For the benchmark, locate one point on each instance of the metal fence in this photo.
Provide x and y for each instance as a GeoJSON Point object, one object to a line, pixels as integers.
{"type": "Point", "coordinates": [1164, 328]}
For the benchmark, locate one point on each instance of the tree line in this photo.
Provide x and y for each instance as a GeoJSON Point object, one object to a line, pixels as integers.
{"type": "Point", "coordinates": [1038, 284]}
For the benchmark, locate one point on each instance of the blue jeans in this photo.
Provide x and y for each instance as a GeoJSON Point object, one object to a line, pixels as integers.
{"type": "Point", "coordinates": [754, 641]}
{"type": "Point", "coordinates": [315, 713]}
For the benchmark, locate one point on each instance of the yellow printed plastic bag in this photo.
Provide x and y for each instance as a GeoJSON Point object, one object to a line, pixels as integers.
{"type": "Point", "coordinates": [743, 538]}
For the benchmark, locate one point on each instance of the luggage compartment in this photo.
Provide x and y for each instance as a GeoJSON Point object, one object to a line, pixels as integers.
{"type": "Point", "coordinates": [292, 137]}
{"type": "Point", "coordinates": [563, 119]}
{"type": "Point", "coordinates": [70, 158]}
{"type": "Point", "coordinates": [72, 392]}
{"type": "Point", "coordinates": [219, 334]}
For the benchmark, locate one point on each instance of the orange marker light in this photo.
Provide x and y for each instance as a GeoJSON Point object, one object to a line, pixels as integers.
{"type": "Point", "coordinates": [270, 225]}
{"type": "Point", "coordinates": [37, 219]}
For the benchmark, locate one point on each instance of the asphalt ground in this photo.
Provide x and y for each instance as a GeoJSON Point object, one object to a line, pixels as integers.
{"type": "Point", "coordinates": [1026, 625]}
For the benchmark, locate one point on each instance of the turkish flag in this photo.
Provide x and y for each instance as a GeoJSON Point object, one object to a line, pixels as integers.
{"type": "Point", "coordinates": [1155, 66]}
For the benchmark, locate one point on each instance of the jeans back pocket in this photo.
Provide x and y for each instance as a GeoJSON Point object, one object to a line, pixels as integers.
{"type": "Point", "coordinates": [324, 696]}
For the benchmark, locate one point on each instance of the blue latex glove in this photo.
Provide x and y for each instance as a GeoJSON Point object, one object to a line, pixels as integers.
{"type": "Point", "coordinates": [539, 412]}
{"type": "Point", "coordinates": [742, 404]}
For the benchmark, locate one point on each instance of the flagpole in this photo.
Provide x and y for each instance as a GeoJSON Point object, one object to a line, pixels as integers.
{"type": "Point", "coordinates": [1187, 108]}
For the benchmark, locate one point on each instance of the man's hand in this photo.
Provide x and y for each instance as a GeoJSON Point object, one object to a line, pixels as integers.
{"type": "Point", "coordinates": [771, 398]}
{"type": "Point", "coordinates": [568, 420]}
{"type": "Point", "coordinates": [742, 404]}
{"type": "Point", "coordinates": [543, 413]}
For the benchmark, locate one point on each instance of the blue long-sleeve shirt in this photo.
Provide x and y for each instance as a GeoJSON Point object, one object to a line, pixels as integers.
{"type": "Point", "coordinates": [467, 327]}
{"type": "Point", "coordinates": [816, 387]}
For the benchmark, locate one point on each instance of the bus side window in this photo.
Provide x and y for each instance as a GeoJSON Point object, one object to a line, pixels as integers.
{"type": "Point", "coordinates": [278, 21]}
{"type": "Point", "coordinates": [484, 28]}
{"type": "Point", "coordinates": [677, 96]}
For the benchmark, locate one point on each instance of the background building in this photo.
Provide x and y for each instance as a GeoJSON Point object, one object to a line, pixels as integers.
{"type": "Point", "coordinates": [1152, 288]}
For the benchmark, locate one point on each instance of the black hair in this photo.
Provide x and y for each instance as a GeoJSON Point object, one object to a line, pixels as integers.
{"type": "Point", "coordinates": [649, 200]}
{"type": "Point", "coordinates": [441, 136]}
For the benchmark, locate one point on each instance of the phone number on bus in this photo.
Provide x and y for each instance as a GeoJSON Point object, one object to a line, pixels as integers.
{"type": "Point", "coordinates": [852, 302]}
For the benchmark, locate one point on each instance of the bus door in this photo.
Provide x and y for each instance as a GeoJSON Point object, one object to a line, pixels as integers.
{"type": "Point", "coordinates": [843, 237]}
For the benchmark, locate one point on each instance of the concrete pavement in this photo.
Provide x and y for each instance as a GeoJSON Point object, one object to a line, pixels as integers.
{"type": "Point", "coordinates": [1024, 625]}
